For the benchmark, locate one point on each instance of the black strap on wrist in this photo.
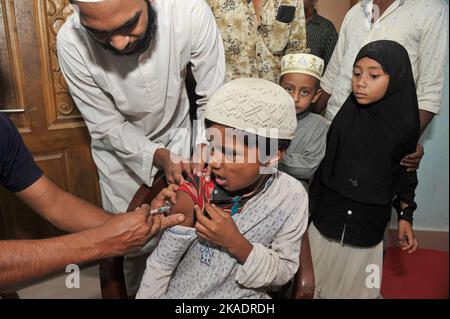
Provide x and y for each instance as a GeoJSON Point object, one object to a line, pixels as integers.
{"type": "Point", "coordinates": [405, 214]}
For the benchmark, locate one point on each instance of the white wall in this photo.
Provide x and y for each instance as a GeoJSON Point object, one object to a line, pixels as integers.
{"type": "Point", "coordinates": [432, 192]}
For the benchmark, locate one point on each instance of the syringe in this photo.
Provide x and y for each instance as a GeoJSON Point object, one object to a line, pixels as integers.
{"type": "Point", "coordinates": [163, 209]}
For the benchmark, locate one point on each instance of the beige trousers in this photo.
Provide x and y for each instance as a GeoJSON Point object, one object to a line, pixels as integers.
{"type": "Point", "coordinates": [344, 271]}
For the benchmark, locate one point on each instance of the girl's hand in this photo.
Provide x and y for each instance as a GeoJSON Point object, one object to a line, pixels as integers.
{"type": "Point", "coordinates": [221, 230]}
{"type": "Point", "coordinates": [406, 238]}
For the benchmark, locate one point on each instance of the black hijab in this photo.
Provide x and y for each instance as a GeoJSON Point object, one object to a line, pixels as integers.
{"type": "Point", "coordinates": [365, 143]}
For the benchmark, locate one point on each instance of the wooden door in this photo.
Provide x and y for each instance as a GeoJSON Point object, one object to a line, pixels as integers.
{"type": "Point", "coordinates": [34, 95]}
{"type": "Point", "coordinates": [353, 2]}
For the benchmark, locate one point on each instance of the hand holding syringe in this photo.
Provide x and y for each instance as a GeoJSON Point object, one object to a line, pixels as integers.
{"type": "Point", "coordinates": [163, 209]}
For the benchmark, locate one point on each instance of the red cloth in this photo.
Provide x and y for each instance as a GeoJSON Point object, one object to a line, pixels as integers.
{"type": "Point", "coordinates": [198, 189]}
{"type": "Point", "coordinates": [421, 275]}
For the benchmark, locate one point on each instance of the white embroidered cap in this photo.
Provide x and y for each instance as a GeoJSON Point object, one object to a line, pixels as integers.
{"type": "Point", "coordinates": [302, 63]}
{"type": "Point", "coordinates": [256, 106]}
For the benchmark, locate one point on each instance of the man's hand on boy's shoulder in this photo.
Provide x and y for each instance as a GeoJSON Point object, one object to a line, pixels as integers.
{"type": "Point", "coordinates": [412, 161]}
{"type": "Point", "coordinates": [174, 166]}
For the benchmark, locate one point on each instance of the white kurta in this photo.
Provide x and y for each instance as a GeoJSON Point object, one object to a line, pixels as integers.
{"type": "Point", "coordinates": [134, 105]}
{"type": "Point", "coordinates": [420, 26]}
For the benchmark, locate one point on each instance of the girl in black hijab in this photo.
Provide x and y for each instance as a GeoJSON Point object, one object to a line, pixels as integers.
{"type": "Point", "coordinates": [360, 177]}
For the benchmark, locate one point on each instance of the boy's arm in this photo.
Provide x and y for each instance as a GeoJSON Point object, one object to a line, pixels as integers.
{"type": "Point", "coordinates": [165, 258]}
{"type": "Point", "coordinates": [219, 228]}
{"type": "Point", "coordinates": [185, 206]}
{"type": "Point", "coordinates": [303, 165]}
{"type": "Point", "coordinates": [276, 265]}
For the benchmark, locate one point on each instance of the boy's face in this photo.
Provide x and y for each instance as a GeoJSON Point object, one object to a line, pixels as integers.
{"type": "Point", "coordinates": [369, 81]}
{"type": "Point", "coordinates": [236, 166]}
{"type": "Point", "coordinates": [302, 88]}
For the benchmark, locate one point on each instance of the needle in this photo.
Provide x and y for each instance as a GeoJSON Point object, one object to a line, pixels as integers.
{"type": "Point", "coordinates": [161, 210]}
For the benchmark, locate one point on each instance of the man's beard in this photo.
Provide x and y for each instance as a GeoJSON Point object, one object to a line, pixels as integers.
{"type": "Point", "coordinates": [141, 45]}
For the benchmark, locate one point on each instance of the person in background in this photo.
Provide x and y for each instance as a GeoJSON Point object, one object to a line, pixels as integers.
{"type": "Point", "coordinates": [321, 35]}
{"type": "Point", "coordinates": [125, 65]}
{"type": "Point", "coordinates": [257, 33]}
{"type": "Point", "coordinates": [300, 77]}
{"type": "Point", "coordinates": [360, 178]}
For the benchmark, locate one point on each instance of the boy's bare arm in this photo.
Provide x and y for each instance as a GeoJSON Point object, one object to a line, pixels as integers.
{"type": "Point", "coordinates": [185, 206]}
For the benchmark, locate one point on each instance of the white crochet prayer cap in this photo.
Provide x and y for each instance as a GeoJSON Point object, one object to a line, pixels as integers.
{"type": "Point", "coordinates": [256, 106]}
{"type": "Point", "coordinates": [302, 63]}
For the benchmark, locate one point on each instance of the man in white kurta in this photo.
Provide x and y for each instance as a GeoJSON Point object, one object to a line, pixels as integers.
{"type": "Point", "coordinates": [136, 104]}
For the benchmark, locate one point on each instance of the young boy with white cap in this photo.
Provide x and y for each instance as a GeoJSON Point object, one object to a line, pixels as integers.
{"type": "Point", "coordinates": [244, 226]}
{"type": "Point", "coordinates": [300, 77]}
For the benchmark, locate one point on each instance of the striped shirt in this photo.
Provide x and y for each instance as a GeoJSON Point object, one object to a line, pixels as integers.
{"type": "Point", "coordinates": [321, 37]}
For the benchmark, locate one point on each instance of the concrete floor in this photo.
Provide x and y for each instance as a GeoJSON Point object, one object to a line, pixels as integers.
{"type": "Point", "coordinates": [55, 288]}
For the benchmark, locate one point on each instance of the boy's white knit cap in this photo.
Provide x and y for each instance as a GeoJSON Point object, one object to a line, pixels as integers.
{"type": "Point", "coordinates": [256, 106]}
{"type": "Point", "coordinates": [302, 63]}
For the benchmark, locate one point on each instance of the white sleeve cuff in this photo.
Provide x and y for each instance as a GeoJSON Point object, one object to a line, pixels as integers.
{"type": "Point", "coordinates": [429, 107]}
{"type": "Point", "coordinates": [260, 268]}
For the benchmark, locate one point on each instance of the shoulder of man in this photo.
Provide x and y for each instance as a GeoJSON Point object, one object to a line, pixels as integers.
{"type": "Point", "coordinates": [8, 134]}
{"type": "Point", "coordinates": [6, 128]}
{"type": "Point", "coordinates": [181, 3]}
{"type": "Point", "coordinates": [352, 14]}
{"type": "Point", "coordinates": [69, 30]}
{"type": "Point", "coordinates": [325, 22]}
{"type": "Point", "coordinates": [429, 5]}
{"type": "Point", "coordinates": [430, 9]}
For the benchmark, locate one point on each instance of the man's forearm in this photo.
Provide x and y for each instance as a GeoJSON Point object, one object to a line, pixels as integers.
{"type": "Point", "coordinates": [74, 214]}
{"type": "Point", "coordinates": [425, 119]}
{"type": "Point", "coordinates": [22, 261]}
{"type": "Point", "coordinates": [62, 209]}
{"type": "Point", "coordinates": [161, 157]}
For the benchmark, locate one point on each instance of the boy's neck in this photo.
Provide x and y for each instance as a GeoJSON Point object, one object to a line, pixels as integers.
{"type": "Point", "coordinates": [253, 189]}
{"type": "Point", "coordinates": [304, 114]}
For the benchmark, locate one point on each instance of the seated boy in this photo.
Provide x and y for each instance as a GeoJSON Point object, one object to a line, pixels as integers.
{"type": "Point", "coordinates": [244, 226]}
{"type": "Point", "coordinates": [300, 77]}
